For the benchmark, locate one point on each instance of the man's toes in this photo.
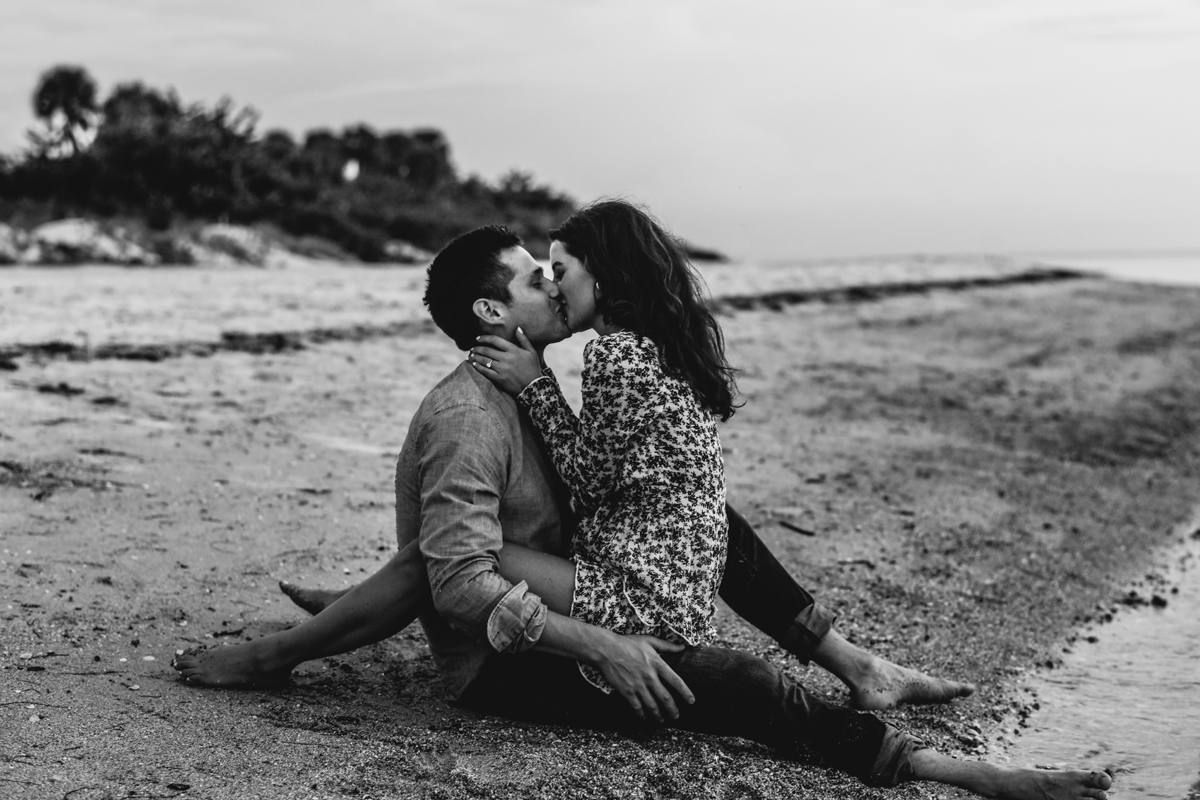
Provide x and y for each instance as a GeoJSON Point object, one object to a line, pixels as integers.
{"type": "Point", "coordinates": [1100, 780]}
{"type": "Point", "coordinates": [1095, 794]}
{"type": "Point", "coordinates": [940, 690]}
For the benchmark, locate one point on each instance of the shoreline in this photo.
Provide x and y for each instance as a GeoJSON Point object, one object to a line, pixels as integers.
{"type": "Point", "coordinates": [981, 469]}
{"type": "Point", "coordinates": [1139, 656]}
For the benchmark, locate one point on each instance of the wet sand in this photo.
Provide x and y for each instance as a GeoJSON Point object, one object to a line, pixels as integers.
{"type": "Point", "coordinates": [983, 472]}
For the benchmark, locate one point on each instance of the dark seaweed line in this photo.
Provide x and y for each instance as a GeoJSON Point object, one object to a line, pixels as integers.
{"type": "Point", "coordinates": [230, 342]}
{"type": "Point", "coordinates": [290, 341]}
{"type": "Point", "coordinates": [776, 301]}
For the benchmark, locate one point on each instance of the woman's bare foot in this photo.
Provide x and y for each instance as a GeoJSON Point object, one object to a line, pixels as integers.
{"type": "Point", "coordinates": [314, 601]}
{"type": "Point", "coordinates": [1009, 783]}
{"type": "Point", "coordinates": [876, 684]}
{"type": "Point", "coordinates": [882, 685]}
{"type": "Point", "coordinates": [249, 664]}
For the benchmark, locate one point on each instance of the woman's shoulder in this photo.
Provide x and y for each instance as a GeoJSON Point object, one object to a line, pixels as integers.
{"type": "Point", "coordinates": [622, 346]}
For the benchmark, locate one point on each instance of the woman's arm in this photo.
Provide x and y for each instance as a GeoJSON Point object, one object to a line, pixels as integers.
{"type": "Point", "coordinates": [622, 383]}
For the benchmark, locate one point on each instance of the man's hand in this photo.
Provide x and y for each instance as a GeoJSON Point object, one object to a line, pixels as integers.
{"type": "Point", "coordinates": [510, 366]}
{"type": "Point", "coordinates": [633, 666]}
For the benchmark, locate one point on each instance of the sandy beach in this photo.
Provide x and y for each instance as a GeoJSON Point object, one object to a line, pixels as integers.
{"type": "Point", "coordinates": [968, 476]}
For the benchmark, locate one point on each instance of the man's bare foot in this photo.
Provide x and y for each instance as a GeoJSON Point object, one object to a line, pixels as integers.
{"type": "Point", "coordinates": [883, 685]}
{"type": "Point", "coordinates": [1020, 784]}
{"type": "Point", "coordinates": [249, 664]}
{"type": "Point", "coordinates": [314, 601]}
{"type": "Point", "coordinates": [1009, 783]}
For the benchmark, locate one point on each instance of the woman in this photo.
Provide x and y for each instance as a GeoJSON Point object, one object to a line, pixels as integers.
{"type": "Point", "coordinates": [643, 459]}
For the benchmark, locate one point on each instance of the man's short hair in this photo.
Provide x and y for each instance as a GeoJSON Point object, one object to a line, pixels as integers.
{"type": "Point", "coordinates": [467, 269]}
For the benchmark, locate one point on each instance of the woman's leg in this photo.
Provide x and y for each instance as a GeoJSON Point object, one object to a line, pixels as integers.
{"type": "Point", "coordinates": [550, 577]}
{"type": "Point", "coordinates": [314, 601]}
{"type": "Point", "coordinates": [379, 607]}
{"type": "Point", "coordinates": [764, 593]}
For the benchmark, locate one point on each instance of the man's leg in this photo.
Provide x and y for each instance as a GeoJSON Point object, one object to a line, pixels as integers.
{"type": "Point", "coordinates": [379, 607]}
{"type": "Point", "coordinates": [758, 588]}
{"type": "Point", "coordinates": [736, 695]}
{"type": "Point", "coordinates": [741, 695]}
{"type": "Point", "coordinates": [990, 780]}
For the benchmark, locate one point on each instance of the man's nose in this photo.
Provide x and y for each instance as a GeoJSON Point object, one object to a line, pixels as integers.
{"type": "Point", "coordinates": [552, 289]}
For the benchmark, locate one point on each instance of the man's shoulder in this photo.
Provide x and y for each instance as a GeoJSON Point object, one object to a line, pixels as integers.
{"type": "Point", "coordinates": [465, 394]}
{"type": "Point", "coordinates": [460, 388]}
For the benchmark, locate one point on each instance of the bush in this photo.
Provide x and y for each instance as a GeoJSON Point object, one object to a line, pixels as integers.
{"type": "Point", "coordinates": [165, 162]}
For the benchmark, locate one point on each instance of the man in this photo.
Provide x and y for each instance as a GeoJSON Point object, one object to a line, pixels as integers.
{"type": "Point", "coordinates": [471, 477]}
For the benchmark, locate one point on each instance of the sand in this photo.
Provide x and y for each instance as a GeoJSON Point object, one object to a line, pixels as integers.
{"type": "Point", "coordinates": [984, 472]}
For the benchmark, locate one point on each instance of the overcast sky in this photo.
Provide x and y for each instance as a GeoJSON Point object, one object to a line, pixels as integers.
{"type": "Point", "coordinates": [766, 129]}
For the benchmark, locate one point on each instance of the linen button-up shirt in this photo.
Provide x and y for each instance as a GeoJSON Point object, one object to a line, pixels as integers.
{"type": "Point", "coordinates": [471, 475]}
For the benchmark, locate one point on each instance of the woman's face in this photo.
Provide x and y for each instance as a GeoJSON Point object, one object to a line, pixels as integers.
{"type": "Point", "coordinates": [576, 287]}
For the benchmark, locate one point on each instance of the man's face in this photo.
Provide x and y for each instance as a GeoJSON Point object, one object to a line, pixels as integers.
{"type": "Point", "coordinates": [535, 306]}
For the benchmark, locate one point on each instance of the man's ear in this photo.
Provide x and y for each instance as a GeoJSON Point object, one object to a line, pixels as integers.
{"type": "Point", "coordinates": [490, 312]}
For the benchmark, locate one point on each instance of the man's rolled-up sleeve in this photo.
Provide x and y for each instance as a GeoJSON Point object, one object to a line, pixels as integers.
{"type": "Point", "coordinates": [516, 622]}
{"type": "Point", "coordinates": [464, 468]}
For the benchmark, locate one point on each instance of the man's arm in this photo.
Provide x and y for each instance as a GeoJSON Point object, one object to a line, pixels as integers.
{"type": "Point", "coordinates": [463, 471]}
{"type": "Point", "coordinates": [631, 664]}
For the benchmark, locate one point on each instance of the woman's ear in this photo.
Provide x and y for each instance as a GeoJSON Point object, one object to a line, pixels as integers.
{"type": "Point", "coordinates": [490, 312]}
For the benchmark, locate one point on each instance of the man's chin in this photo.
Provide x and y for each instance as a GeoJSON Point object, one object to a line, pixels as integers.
{"type": "Point", "coordinates": [545, 337]}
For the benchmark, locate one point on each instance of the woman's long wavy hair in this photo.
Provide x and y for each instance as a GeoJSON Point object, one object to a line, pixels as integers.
{"type": "Point", "coordinates": [646, 285]}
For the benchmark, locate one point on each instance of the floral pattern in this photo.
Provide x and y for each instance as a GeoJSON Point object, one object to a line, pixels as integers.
{"type": "Point", "coordinates": [643, 464]}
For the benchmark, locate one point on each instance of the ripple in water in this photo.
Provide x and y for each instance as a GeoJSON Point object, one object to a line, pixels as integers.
{"type": "Point", "coordinates": [1131, 700]}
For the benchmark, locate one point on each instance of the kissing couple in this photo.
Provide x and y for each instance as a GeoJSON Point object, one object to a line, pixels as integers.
{"type": "Point", "coordinates": [565, 566]}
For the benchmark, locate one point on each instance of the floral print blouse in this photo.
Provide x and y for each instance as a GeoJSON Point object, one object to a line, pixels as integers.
{"type": "Point", "coordinates": [643, 465]}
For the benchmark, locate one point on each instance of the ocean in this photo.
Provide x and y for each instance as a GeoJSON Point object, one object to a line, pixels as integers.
{"type": "Point", "coordinates": [1175, 267]}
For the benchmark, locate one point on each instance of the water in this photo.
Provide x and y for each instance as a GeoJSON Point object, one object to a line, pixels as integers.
{"type": "Point", "coordinates": [1182, 268]}
{"type": "Point", "coordinates": [1131, 700]}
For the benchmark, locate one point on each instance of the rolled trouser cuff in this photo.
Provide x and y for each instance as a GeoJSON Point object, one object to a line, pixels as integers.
{"type": "Point", "coordinates": [804, 635]}
{"type": "Point", "coordinates": [893, 765]}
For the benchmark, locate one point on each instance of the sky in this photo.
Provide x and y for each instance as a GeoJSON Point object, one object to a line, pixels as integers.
{"type": "Point", "coordinates": [763, 128]}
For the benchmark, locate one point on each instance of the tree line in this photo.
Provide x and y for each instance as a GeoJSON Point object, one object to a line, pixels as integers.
{"type": "Point", "coordinates": [144, 153]}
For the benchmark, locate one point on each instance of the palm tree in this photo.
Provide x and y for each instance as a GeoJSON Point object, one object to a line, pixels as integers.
{"type": "Point", "coordinates": [65, 100]}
